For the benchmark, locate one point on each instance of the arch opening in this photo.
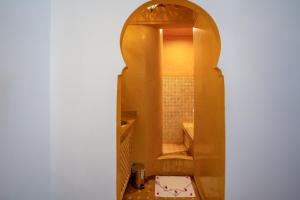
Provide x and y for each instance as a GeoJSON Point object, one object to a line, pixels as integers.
{"type": "Point", "coordinates": [170, 112]}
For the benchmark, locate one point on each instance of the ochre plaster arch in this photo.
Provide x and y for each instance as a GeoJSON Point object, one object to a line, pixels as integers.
{"type": "Point", "coordinates": [209, 126]}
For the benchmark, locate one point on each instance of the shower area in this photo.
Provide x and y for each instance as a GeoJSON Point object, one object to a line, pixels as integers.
{"type": "Point", "coordinates": [177, 79]}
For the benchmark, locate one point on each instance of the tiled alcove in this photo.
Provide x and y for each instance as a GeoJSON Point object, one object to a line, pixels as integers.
{"type": "Point", "coordinates": [178, 103]}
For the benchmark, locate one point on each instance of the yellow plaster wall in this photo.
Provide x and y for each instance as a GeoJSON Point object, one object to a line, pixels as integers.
{"type": "Point", "coordinates": [209, 137]}
{"type": "Point", "coordinates": [209, 150]}
{"type": "Point", "coordinates": [141, 91]}
{"type": "Point", "coordinates": [118, 139]}
{"type": "Point", "coordinates": [177, 56]}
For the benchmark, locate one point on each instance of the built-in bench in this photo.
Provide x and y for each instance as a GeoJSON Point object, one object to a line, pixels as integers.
{"type": "Point", "coordinates": [188, 136]}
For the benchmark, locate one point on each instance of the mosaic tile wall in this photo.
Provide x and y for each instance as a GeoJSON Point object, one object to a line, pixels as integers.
{"type": "Point", "coordinates": [178, 104]}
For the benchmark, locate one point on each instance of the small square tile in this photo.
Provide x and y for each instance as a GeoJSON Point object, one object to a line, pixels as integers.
{"type": "Point", "coordinates": [178, 103]}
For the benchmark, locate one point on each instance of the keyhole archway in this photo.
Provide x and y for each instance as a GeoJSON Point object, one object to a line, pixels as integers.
{"type": "Point", "coordinates": [139, 109]}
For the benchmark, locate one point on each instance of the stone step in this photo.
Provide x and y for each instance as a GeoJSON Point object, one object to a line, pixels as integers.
{"type": "Point", "coordinates": [174, 164]}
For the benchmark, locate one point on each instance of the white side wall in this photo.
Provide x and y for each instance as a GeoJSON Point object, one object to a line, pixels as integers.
{"type": "Point", "coordinates": [24, 100]}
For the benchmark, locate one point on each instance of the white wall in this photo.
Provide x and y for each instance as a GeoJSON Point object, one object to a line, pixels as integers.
{"type": "Point", "coordinates": [24, 100]}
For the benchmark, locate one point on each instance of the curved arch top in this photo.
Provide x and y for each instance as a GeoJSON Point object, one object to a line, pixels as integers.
{"type": "Point", "coordinates": [204, 17]}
